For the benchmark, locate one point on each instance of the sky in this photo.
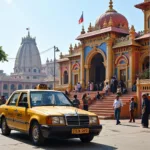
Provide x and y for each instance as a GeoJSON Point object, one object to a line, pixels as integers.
{"type": "Point", "coordinates": [54, 22]}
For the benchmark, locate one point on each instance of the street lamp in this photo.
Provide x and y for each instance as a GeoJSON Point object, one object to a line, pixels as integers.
{"type": "Point", "coordinates": [55, 50]}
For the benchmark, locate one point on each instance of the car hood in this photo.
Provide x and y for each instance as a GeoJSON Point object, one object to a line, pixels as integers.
{"type": "Point", "coordinates": [60, 110]}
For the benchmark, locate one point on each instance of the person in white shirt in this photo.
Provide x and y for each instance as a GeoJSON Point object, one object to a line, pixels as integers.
{"type": "Point", "coordinates": [117, 108]}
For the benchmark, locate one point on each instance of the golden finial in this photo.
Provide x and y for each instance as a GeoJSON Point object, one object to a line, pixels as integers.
{"type": "Point", "coordinates": [75, 46]}
{"type": "Point", "coordinates": [110, 24]}
{"type": "Point", "coordinates": [105, 24]}
{"type": "Point", "coordinates": [132, 33]}
{"type": "Point", "coordinates": [70, 47]}
{"type": "Point", "coordinates": [90, 27]}
{"type": "Point", "coordinates": [83, 31]}
{"type": "Point", "coordinates": [132, 29]}
{"type": "Point", "coordinates": [111, 5]}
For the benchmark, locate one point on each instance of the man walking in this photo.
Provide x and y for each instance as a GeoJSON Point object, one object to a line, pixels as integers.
{"type": "Point", "coordinates": [145, 111]}
{"type": "Point", "coordinates": [117, 109]}
{"type": "Point", "coordinates": [131, 109]}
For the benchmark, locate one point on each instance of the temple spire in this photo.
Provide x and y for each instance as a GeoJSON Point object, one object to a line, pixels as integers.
{"type": "Point", "coordinates": [111, 9]}
{"type": "Point", "coordinates": [111, 5]}
{"type": "Point", "coordinates": [28, 29]}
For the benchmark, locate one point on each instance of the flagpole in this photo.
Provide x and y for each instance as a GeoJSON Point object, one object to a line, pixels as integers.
{"type": "Point", "coordinates": [83, 19]}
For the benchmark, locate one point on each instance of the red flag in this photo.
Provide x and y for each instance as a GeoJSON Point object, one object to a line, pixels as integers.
{"type": "Point", "coordinates": [81, 19]}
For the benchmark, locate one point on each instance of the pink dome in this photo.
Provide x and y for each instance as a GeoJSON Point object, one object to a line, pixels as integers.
{"type": "Point", "coordinates": [117, 18]}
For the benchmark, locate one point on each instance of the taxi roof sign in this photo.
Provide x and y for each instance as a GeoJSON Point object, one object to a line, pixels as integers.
{"type": "Point", "coordinates": [41, 87]}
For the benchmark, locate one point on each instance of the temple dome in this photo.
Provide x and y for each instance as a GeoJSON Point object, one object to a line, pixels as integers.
{"type": "Point", "coordinates": [117, 19]}
{"type": "Point", "coordinates": [28, 57]}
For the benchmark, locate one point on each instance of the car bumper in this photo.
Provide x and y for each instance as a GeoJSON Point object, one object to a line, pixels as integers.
{"type": "Point", "coordinates": [66, 131]}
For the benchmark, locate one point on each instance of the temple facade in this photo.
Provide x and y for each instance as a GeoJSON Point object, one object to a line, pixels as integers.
{"type": "Point", "coordinates": [108, 48]}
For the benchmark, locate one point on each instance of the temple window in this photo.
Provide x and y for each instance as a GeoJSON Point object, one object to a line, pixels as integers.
{"type": "Point", "coordinates": [12, 87]}
{"type": "Point", "coordinates": [27, 86]}
{"type": "Point", "coordinates": [19, 87]}
{"type": "Point", "coordinates": [34, 77]}
{"type": "Point", "coordinates": [5, 87]}
{"type": "Point", "coordinates": [65, 77]}
{"type": "Point", "coordinates": [34, 70]}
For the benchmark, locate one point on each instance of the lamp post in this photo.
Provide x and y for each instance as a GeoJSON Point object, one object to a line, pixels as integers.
{"type": "Point", "coordinates": [55, 50]}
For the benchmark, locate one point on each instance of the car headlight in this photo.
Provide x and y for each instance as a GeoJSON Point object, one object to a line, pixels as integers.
{"type": "Point", "coordinates": [58, 120]}
{"type": "Point", "coordinates": [93, 120]}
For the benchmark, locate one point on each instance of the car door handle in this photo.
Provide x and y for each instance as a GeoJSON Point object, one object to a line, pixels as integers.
{"type": "Point", "coordinates": [16, 110]}
{"type": "Point", "coordinates": [6, 109]}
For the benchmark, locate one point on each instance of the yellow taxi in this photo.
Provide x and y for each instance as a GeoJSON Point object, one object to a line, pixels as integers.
{"type": "Point", "coordinates": [44, 113]}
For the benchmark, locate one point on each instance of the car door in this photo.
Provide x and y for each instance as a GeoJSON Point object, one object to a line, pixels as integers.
{"type": "Point", "coordinates": [10, 109]}
{"type": "Point", "coordinates": [21, 116]}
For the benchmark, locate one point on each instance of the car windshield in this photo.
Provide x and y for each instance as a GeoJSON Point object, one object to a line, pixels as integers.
{"type": "Point", "coordinates": [48, 98]}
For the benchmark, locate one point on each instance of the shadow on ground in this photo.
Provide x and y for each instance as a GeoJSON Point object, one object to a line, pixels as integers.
{"type": "Point", "coordinates": [57, 144]}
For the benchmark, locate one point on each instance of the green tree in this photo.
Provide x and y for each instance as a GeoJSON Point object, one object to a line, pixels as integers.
{"type": "Point", "coordinates": [3, 55]}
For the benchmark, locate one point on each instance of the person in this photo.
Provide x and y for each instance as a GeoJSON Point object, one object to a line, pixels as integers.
{"type": "Point", "coordinates": [76, 102]}
{"type": "Point", "coordinates": [2, 100]}
{"type": "Point", "coordinates": [79, 87]}
{"type": "Point", "coordinates": [85, 102]}
{"type": "Point", "coordinates": [88, 97]}
{"type": "Point", "coordinates": [134, 87]}
{"type": "Point", "coordinates": [98, 96]}
{"type": "Point", "coordinates": [67, 93]}
{"type": "Point", "coordinates": [119, 91]}
{"type": "Point", "coordinates": [117, 109]}
{"type": "Point", "coordinates": [131, 109]}
{"type": "Point", "coordinates": [145, 111]}
{"type": "Point", "coordinates": [111, 84]}
{"type": "Point", "coordinates": [106, 88]}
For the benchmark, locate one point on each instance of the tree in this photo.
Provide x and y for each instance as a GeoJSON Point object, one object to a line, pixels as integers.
{"type": "Point", "coordinates": [3, 55]}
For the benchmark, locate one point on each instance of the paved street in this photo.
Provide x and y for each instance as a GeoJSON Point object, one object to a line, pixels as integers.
{"type": "Point", "coordinates": [128, 136]}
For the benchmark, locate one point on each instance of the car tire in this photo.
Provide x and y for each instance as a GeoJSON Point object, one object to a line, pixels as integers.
{"type": "Point", "coordinates": [4, 127]}
{"type": "Point", "coordinates": [36, 135]}
{"type": "Point", "coordinates": [87, 138]}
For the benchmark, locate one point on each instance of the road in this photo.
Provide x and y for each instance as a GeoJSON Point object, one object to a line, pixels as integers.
{"type": "Point", "coordinates": [127, 136]}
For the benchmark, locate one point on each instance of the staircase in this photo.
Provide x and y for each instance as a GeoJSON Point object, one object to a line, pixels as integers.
{"type": "Point", "coordinates": [104, 107]}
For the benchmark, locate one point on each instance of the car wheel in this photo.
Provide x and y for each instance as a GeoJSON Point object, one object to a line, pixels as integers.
{"type": "Point", "coordinates": [87, 138]}
{"type": "Point", "coordinates": [4, 128]}
{"type": "Point", "coordinates": [36, 135]}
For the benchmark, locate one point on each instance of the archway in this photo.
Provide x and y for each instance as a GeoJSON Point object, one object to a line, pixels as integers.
{"type": "Point", "coordinates": [65, 77]}
{"type": "Point", "coordinates": [97, 70]}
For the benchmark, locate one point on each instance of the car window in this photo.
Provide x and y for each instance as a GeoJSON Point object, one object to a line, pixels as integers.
{"type": "Point", "coordinates": [48, 98]}
{"type": "Point", "coordinates": [13, 99]}
{"type": "Point", "coordinates": [23, 100]}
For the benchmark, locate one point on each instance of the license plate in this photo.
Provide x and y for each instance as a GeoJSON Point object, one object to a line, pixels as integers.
{"type": "Point", "coordinates": [80, 131]}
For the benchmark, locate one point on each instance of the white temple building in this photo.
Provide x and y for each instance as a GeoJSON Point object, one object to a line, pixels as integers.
{"type": "Point", "coordinates": [28, 69]}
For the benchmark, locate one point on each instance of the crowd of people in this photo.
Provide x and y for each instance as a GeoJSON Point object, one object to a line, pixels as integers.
{"type": "Point", "coordinates": [132, 107]}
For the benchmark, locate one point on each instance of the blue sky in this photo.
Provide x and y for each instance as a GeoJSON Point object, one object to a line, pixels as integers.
{"type": "Point", "coordinates": [54, 22]}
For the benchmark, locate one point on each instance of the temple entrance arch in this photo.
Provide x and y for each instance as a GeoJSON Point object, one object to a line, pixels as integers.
{"type": "Point", "coordinates": [97, 69]}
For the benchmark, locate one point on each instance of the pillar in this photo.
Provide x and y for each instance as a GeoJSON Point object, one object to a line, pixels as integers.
{"type": "Point", "coordinates": [138, 96]}
{"type": "Point", "coordinates": [109, 67]}
{"type": "Point", "coordinates": [82, 67]}
{"type": "Point", "coordinates": [70, 76]}
{"type": "Point", "coordinates": [60, 75]}
{"type": "Point", "coordinates": [87, 74]}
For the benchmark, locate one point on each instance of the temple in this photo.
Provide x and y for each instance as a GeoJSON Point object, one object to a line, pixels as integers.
{"type": "Point", "coordinates": [108, 48]}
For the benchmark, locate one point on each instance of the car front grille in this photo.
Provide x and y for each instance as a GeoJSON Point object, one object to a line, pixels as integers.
{"type": "Point", "coordinates": [77, 120]}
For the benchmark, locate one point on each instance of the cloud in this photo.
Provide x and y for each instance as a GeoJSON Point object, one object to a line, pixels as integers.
{"type": "Point", "coordinates": [9, 1]}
